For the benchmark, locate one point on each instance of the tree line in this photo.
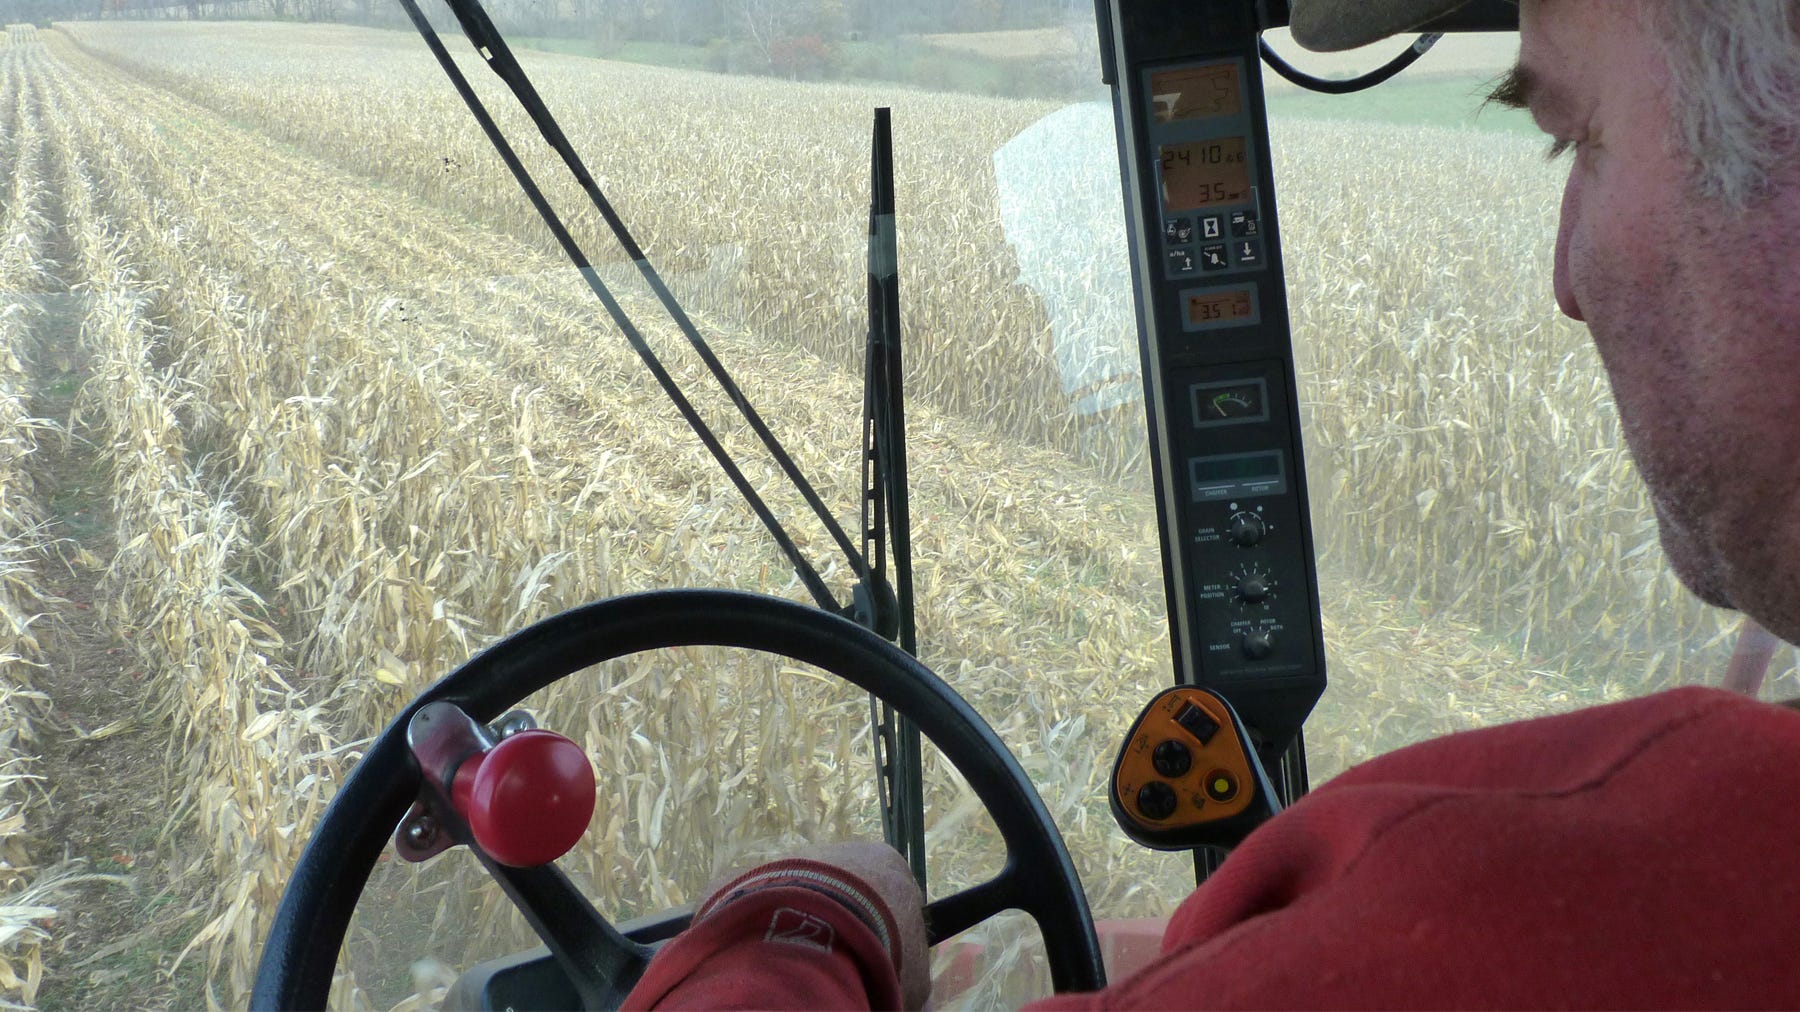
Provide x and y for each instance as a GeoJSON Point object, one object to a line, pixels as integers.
{"type": "Point", "coordinates": [801, 39]}
{"type": "Point", "coordinates": [691, 22]}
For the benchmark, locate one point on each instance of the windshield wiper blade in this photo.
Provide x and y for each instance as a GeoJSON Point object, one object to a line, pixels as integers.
{"type": "Point", "coordinates": [887, 522]}
{"type": "Point", "coordinates": [498, 56]}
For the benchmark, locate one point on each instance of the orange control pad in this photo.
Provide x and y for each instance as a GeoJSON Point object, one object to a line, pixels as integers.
{"type": "Point", "coordinates": [1185, 764]}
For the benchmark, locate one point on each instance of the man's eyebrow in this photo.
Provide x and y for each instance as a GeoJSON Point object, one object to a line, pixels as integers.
{"type": "Point", "coordinates": [1515, 89]}
{"type": "Point", "coordinates": [1520, 88]}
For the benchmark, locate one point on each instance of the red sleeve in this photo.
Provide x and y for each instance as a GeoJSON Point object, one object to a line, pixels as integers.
{"type": "Point", "coordinates": [785, 946]}
{"type": "Point", "coordinates": [1636, 855]}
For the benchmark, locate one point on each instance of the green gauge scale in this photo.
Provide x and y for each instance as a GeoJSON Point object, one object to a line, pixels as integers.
{"type": "Point", "coordinates": [1219, 365]}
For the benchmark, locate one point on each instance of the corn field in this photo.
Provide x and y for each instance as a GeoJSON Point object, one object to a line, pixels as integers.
{"type": "Point", "coordinates": [360, 421]}
{"type": "Point", "coordinates": [24, 547]}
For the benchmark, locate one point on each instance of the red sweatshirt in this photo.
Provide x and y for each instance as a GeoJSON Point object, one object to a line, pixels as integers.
{"type": "Point", "coordinates": [1642, 854]}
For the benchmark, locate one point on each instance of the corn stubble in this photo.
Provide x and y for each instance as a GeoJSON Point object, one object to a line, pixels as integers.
{"type": "Point", "coordinates": [362, 423]}
{"type": "Point", "coordinates": [28, 890]}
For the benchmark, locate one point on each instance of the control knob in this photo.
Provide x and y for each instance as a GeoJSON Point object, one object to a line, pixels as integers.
{"type": "Point", "coordinates": [1156, 800]}
{"type": "Point", "coordinates": [1259, 644]}
{"type": "Point", "coordinates": [527, 800]}
{"type": "Point", "coordinates": [1172, 759]}
{"type": "Point", "coordinates": [1246, 529]}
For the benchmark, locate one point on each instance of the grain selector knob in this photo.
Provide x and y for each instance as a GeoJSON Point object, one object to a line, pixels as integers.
{"type": "Point", "coordinates": [1246, 529]}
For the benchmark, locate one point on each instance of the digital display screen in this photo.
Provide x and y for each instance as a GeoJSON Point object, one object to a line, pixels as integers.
{"type": "Point", "coordinates": [1205, 173]}
{"type": "Point", "coordinates": [1196, 93]}
{"type": "Point", "coordinates": [1237, 475]}
{"type": "Point", "coordinates": [1219, 307]}
{"type": "Point", "coordinates": [1239, 467]}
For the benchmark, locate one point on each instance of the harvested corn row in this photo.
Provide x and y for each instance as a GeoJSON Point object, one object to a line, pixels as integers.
{"type": "Point", "coordinates": [252, 750]}
{"type": "Point", "coordinates": [28, 900]}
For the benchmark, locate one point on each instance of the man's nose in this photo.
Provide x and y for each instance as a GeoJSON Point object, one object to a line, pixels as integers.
{"type": "Point", "coordinates": [1565, 228]}
{"type": "Point", "coordinates": [1565, 296]}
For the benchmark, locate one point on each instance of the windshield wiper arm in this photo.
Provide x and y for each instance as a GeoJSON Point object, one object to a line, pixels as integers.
{"type": "Point", "coordinates": [498, 56]}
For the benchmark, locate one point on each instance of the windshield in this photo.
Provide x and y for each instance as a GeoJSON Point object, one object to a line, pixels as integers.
{"type": "Point", "coordinates": [307, 407]}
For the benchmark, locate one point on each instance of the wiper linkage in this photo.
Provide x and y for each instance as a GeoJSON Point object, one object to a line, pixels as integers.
{"type": "Point", "coordinates": [499, 57]}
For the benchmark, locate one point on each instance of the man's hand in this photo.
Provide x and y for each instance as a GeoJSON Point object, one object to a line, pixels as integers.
{"type": "Point", "coordinates": [888, 880]}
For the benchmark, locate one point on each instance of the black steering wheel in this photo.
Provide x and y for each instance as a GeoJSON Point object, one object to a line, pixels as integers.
{"type": "Point", "coordinates": [301, 952]}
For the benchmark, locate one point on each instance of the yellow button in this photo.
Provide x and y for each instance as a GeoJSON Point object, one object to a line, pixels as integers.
{"type": "Point", "coordinates": [1221, 785]}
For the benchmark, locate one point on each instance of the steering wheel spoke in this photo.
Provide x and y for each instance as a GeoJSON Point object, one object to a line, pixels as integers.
{"type": "Point", "coordinates": [949, 916]}
{"type": "Point", "coordinates": [599, 961]}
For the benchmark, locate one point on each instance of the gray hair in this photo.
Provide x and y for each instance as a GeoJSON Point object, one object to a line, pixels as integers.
{"type": "Point", "coordinates": [1735, 66]}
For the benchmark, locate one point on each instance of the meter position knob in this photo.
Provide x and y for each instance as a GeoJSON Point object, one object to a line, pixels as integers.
{"type": "Point", "coordinates": [528, 799]}
{"type": "Point", "coordinates": [1172, 759]}
{"type": "Point", "coordinates": [1246, 529]}
{"type": "Point", "coordinates": [1259, 644]}
{"type": "Point", "coordinates": [1253, 589]}
{"type": "Point", "coordinates": [1156, 800]}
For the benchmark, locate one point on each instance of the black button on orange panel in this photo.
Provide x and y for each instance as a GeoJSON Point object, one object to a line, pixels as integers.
{"type": "Point", "coordinates": [1156, 800]}
{"type": "Point", "coordinates": [1197, 722]}
{"type": "Point", "coordinates": [1172, 759]}
{"type": "Point", "coordinates": [1216, 784]}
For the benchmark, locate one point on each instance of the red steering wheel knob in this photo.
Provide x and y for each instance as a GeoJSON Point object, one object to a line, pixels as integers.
{"type": "Point", "coordinates": [528, 799]}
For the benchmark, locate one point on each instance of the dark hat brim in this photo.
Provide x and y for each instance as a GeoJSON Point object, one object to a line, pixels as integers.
{"type": "Point", "coordinates": [1328, 26]}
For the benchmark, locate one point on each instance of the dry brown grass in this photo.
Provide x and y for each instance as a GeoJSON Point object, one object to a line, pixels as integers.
{"type": "Point", "coordinates": [28, 891]}
{"type": "Point", "coordinates": [248, 747]}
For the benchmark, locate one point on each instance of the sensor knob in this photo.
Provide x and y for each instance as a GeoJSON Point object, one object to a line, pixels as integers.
{"type": "Point", "coordinates": [1259, 644]}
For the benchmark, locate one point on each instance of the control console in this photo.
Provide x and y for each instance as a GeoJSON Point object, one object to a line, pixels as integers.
{"type": "Point", "coordinates": [1187, 775]}
{"type": "Point", "coordinates": [1218, 362]}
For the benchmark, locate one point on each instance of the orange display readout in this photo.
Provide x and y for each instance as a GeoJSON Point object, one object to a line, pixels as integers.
{"type": "Point", "coordinates": [1219, 307]}
{"type": "Point", "coordinates": [1205, 173]}
{"type": "Point", "coordinates": [1196, 93]}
